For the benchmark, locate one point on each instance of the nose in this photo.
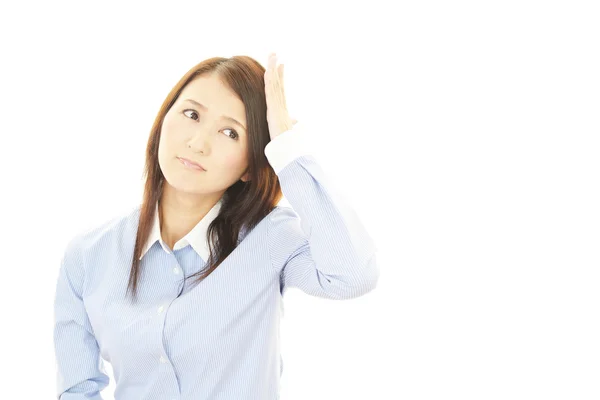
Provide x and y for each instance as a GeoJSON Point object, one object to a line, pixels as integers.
{"type": "Point", "coordinates": [200, 140]}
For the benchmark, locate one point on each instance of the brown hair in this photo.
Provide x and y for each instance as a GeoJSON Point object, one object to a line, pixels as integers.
{"type": "Point", "coordinates": [245, 204]}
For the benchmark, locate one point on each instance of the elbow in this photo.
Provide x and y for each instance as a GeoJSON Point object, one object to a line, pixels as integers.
{"type": "Point", "coordinates": [369, 278]}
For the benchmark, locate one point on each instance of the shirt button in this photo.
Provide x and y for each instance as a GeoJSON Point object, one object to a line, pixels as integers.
{"type": "Point", "coordinates": [176, 270]}
{"type": "Point", "coordinates": [160, 309]}
{"type": "Point", "coordinates": [163, 360]}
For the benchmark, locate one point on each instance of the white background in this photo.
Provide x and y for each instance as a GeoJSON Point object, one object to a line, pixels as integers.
{"type": "Point", "coordinates": [464, 134]}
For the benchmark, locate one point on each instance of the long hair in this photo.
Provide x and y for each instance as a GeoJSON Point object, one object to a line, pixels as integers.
{"type": "Point", "coordinates": [244, 204]}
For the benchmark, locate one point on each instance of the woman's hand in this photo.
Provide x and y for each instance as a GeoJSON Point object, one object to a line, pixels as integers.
{"type": "Point", "coordinates": [278, 118]}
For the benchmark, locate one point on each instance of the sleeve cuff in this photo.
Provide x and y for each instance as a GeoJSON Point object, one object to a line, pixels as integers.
{"type": "Point", "coordinates": [288, 146]}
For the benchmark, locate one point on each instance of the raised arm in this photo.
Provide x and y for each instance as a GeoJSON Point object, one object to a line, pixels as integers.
{"type": "Point", "coordinates": [320, 246]}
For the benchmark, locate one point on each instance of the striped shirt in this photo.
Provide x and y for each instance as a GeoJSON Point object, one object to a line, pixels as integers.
{"type": "Point", "coordinates": [219, 339]}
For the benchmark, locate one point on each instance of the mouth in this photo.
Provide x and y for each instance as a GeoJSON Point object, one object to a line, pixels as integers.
{"type": "Point", "coordinates": [191, 164]}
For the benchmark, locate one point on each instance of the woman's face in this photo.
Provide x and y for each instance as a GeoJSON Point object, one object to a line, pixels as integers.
{"type": "Point", "coordinates": [199, 127]}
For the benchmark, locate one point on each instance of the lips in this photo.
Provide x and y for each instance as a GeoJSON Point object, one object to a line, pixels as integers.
{"type": "Point", "coordinates": [191, 164]}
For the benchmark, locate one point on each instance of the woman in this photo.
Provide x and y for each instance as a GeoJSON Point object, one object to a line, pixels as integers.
{"type": "Point", "coordinates": [183, 295]}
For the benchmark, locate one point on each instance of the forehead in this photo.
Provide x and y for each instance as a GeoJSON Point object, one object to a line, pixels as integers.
{"type": "Point", "coordinates": [210, 91]}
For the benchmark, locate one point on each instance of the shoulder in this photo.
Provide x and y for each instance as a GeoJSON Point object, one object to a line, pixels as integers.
{"type": "Point", "coordinates": [282, 213]}
{"type": "Point", "coordinates": [285, 234]}
{"type": "Point", "coordinates": [283, 220]}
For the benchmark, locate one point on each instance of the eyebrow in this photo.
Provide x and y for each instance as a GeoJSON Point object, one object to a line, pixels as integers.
{"type": "Point", "coordinates": [202, 106]}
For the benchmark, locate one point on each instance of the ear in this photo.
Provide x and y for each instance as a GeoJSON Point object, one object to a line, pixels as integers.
{"type": "Point", "coordinates": [245, 177]}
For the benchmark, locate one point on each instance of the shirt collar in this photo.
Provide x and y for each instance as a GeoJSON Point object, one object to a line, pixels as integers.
{"type": "Point", "coordinates": [197, 237]}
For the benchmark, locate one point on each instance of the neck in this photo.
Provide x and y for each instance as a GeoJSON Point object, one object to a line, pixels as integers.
{"type": "Point", "coordinates": [179, 213]}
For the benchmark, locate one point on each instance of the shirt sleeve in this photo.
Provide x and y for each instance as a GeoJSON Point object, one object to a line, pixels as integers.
{"type": "Point", "coordinates": [80, 369]}
{"type": "Point", "coordinates": [319, 245]}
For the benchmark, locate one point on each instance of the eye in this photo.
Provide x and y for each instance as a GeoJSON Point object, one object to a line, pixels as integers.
{"type": "Point", "coordinates": [193, 112]}
{"type": "Point", "coordinates": [234, 135]}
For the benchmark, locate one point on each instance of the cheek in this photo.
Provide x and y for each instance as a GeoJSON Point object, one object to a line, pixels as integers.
{"type": "Point", "coordinates": [164, 144]}
{"type": "Point", "coordinates": [235, 161]}
{"type": "Point", "coordinates": [168, 132]}
{"type": "Point", "coordinates": [168, 127]}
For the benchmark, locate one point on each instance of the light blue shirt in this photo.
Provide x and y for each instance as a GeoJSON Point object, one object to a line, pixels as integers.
{"type": "Point", "coordinates": [219, 339]}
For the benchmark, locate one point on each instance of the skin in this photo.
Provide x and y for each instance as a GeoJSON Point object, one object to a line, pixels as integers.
{"type": "Point", "coordinates": [205, 137]}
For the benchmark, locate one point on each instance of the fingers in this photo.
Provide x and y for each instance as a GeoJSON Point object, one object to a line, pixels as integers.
{"type": "Point", "coordinates": [274, 81]}
{"type": "Point", "coordinates": [280, 70]}
{"type": "Point", "coordinates": [272, 60]}
{"type": "Point", "coordinates": [270, 67]}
